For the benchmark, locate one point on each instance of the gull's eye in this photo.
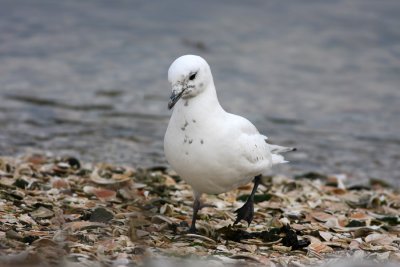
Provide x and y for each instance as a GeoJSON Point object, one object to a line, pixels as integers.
{"type": "Point", "coordinates": [193, 76]}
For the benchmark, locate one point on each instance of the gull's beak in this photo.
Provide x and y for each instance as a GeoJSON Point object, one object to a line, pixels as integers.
{"type": "Point", "coordinates": [175, 96]}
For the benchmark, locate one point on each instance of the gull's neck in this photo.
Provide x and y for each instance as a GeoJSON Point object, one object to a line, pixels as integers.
{"type": "Point", "coordinates": [205, 103]}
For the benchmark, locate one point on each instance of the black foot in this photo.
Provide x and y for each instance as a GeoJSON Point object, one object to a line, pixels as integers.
{"type": "Point", "coordinates": [192, 230]}
{"type": "Point", "coordinates": [245, 213]}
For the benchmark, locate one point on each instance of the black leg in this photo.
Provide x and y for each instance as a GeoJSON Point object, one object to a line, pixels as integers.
{"type": "Point", "coordinates": [246, 212]}
{"type": "Point", "coordinates": [196, 208]}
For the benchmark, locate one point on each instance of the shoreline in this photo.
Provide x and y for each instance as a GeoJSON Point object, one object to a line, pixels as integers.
{"type": "Point", "coordinates": [59, 212]}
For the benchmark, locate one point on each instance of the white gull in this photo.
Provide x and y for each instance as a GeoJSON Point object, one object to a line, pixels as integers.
{"type": "Point", "coordinates": [212, 150]}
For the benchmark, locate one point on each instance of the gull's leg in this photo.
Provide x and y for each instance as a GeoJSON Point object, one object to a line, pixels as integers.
{"type": "Point", "coordinates": [246, 212]}
{"type": "Point", "coordinates": [196, 208]}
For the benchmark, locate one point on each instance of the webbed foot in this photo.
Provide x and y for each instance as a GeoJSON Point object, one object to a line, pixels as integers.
{"type": "Point", "coordinates": [246, 212]}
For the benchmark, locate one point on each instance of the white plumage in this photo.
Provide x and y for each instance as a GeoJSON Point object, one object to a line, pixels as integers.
{"type": "Point", "coordinates": [212, 150]}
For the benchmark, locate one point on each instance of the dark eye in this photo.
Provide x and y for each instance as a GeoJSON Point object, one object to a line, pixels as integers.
{"type": "Point", "coordinates": [191, 77]}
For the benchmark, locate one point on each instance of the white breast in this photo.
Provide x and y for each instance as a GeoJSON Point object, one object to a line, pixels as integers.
{"type": "Point", "coordinates": [214, 152]}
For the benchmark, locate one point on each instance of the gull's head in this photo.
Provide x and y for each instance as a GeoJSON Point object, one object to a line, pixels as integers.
{"type": "Point", "coordinates": [189, 76]}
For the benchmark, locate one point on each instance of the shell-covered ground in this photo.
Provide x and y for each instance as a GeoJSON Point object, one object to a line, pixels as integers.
{"type": "Point", "coordinates": [61, 212]}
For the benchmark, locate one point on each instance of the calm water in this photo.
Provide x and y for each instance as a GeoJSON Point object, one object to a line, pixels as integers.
{"type": "Point", "coordinates": [88, 78]}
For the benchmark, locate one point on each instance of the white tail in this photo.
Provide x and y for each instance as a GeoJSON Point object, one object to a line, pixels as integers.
{"type": "Point", "coordinates": [276, 150]}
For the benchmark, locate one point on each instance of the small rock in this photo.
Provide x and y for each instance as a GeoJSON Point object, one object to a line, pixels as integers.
{"type": "Point", "coordinates": [7, 182]}
{"type": "Point", "coordinates": [11, 234]}
{"type": "Point", "coordinates": [81, 225]}
{"type": "Point", "coordinates": [141, 233]}
{"type": "Point", "coordinates": [101, 215]}
{"type": "Point", "coordinates": [60, 183]}
{"type": "Point", "coordinates": [26, 219]}
{"type": "Point", "coordinates": [18, 194]}
{"type": "Point", "coordinates": [74, 163]}
{"type": "Point", "coordinates": [42, 213]}
{"type": "Point", "coordinates": [61, 168]}
{"type": "Point", "coordinates": [101, 193]}
{"type": "Point", "coordinates": [63, 165]}
{"type": "Point", "coordinates": [21, 183]}
{"type": "Point", "coordinates": [158, 219]}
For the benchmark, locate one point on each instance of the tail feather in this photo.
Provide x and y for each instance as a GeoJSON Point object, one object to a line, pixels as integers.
{"type": "Point", "coordinates": [276, 150]}
{"type": "Point", "coordinates": [280, 149]}
{"type": "Point", "coordinates": [278, 159]}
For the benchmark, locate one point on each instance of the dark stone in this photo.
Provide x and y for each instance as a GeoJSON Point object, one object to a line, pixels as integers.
{"type": "Point", "coordinates": [138, 251]}
{"type": "Point", "coordinates": [354, 223]}
{"type": "Point", "coordinates": [21, 183]}
{"type": "Point", "coordinates": [101, 215]}
{"type": "Point", "coordinates": [29, 239]}
{"type": "Point", "coordinates": [183, 224]}
{"type": "Point", "coordinates": [11, 234]}
{"type": "Point", "coordinates": [358, 187]}
{"type": "Point", "coordinates": [174, 228]}
{"type": "Point", "coordinates": [391, 220]}
{"type": "Point", "coordinates": [311, 176]}
{"type": "Point", "coordinates": [157, 168]}
{"type": "Point", "coordinates": [74, 163]}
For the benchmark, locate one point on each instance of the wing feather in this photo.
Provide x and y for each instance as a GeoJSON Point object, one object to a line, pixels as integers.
{"type": "Point", "coordinates": [255, 149]}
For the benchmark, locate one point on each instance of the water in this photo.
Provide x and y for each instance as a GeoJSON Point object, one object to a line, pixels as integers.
{"type": "Point", "coordinates": [88, 78]}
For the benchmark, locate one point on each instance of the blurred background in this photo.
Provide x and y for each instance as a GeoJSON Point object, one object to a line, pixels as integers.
{"type": "Point", "coordinates": [89, 78]}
